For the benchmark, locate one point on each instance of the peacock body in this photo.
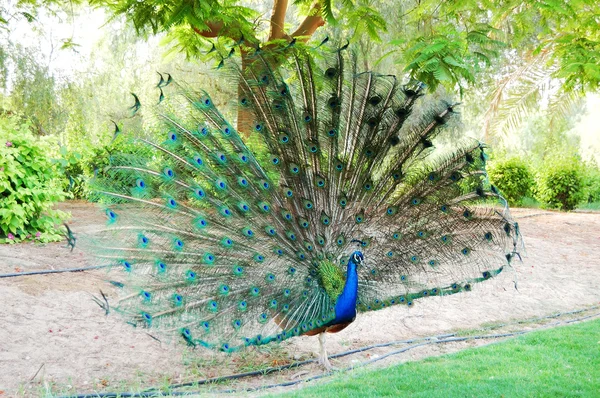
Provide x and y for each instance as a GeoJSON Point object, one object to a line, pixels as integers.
{"type": "Point", "coordinates": [337, 201]}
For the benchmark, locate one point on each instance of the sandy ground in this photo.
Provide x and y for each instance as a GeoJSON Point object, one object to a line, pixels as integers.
{"type": "Point", "coordinates": [54, 338]}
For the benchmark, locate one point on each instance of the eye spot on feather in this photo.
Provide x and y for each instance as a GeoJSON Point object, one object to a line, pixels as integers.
{"type": "Point", "coordinates": [226, 130]}
{"type": "Point", "coordinates": [375, 100]}
{"type": "Point", "coordinates": [258, 127]}
{"type": "Point", "coordinates": [162, 267]}
{"type": "Point", "coordinates": [203, 131]}
{"type": "Point", "coordinates": [259, 258]}
{"type": "Point", "coordinates": [467, 214]}
{"type": "Point", "coordinates": [307, 117]}
{"type": "Point", "coordinates": [237, 324]}
{"type": "Point", "coordinates": [178, 300]}
{"type": "Point", "coordinates": [213, 306]}
{"type": "Point", "coordinates": [242, 182]}
{"type": "Point", "coordinates": [147, 317]}
{"type": "Point", "coordinates": [206, 101]}
{"type": "Point", "coordinates": [414, 259]}
{"type": "Point", "coordinates": [390, 254]}
{"type": "Point", "coordinates": [244, 101]}
{"type": "Point", "coordinates": [433, 263]}
{"type": "Point", "coordinates": [486, 275]}
{"type": "Point", "coordinates": [143, 240]}
{"type": "Point", "coordinates": [220, 183]}
{"type": "Point", "coordinates": [275, 160]}
{"type": "Point", "coordinates": [264, 79]}
{"type": "Point", "coordinates": [208, 258]}
{"type": "Point", "coordinates": [488, 236]}
{"type": "Point", "coordinates": [284, 138]}
{"type": "Point", "coordinates": [333, 102]}
{"type": "Point", "coordinates": [270, 277]}
{"type": "Point", "coordinates": [332, 132]}
{"type": "Point", "coordinates": [146, 296]}
{"type": "Point", "coordinates": [238, 270]}
{"type": "Point", "coordinates": [466, 251]}
{"type": "Point", "coordinates": [455, 176]}
{"type": "Point", "coordinates": [178, 243]}
{"type": "Point", "coordinates": [242, 305]}
{"type": "Point", "coordinates": [415, 201]}
{"type": "Point", "coordinates": [330, 73]}
{"type": "Point", "coordinates": [224, 290]}
{"type": "Point", "coordinates": [190, 276]}
{"type": "Point", "coordinates": [168, 172]}
{"type": "Point", "coordinates": [199, 193]}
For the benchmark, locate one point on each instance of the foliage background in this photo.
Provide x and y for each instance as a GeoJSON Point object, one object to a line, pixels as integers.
{"type": "Point", "coordinates": [527, 72]}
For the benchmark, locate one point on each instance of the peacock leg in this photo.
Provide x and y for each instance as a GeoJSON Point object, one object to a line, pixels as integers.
{"type": "Point", "coordinates": [323, 360]}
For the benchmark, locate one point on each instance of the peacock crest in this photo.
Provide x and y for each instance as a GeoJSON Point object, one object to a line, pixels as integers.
{"type": "Point", "coordinates": [228, 239]}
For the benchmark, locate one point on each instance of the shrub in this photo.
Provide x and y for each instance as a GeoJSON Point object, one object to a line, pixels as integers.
{"type": "Point", "coordinates": [513, 178]}
{"type": "Point", "coordinates": [29, 185]}
{"type": "Point", "coordinates": [561, 184]}
{"type": "Point", "coordinates": [592, 185]}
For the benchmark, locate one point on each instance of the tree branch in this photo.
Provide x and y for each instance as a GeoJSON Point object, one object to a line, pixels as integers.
{"type": "Point", "coordinates": [214, 29]}
{"type": "Point", "coordinates": [278, 19]}
{"type": "Point", "coordinates": [311, 23]}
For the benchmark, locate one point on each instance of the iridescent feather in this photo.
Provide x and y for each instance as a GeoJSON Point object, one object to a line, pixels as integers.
{"type": "Point", "coordinates": [225, 250]}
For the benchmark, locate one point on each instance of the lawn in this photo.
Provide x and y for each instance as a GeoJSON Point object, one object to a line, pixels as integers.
{"type": "Point", "coordinates": [560, 362]}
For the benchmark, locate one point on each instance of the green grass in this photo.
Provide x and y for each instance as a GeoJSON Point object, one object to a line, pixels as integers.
{"type": "Point", "coordinates": [589, 206]}
{"type": "Point", "coordinates": [561, 362]}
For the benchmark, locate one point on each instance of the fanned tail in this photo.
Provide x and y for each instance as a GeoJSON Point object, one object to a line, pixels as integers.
{"type": "Point", "coordinates": [221, 241]}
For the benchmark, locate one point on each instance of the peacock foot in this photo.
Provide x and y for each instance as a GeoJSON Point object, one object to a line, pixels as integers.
{"type": "Point", "coordinates": [324, 361]}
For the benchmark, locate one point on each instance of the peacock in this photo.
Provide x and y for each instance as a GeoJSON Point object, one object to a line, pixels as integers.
{"type": "Point", "coordinates": [337, 198]}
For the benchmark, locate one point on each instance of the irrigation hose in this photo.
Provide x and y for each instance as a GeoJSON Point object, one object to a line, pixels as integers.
{"type": "Point", "coordinates": [439, 339]}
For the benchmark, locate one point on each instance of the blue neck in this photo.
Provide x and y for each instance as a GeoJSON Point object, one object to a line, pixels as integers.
{"type": "Point", "coordinates": [345, 306]}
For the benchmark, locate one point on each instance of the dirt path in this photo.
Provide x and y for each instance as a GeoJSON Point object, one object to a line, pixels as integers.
{"type": "Point", "coordinates": [55, 338]}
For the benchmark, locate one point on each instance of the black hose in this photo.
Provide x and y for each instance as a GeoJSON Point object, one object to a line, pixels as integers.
{"type": "Point", "coordinates": [440, 339]}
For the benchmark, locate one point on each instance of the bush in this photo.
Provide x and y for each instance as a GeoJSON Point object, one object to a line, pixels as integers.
{"type": "Point", "coordinates": [592, 185]}
{"type": "Point", "coordinates": [513, 178]}
{"type": "Point", "coordinates": [29, 185]}
{"type": "Point", "coordinates": [561, 184]}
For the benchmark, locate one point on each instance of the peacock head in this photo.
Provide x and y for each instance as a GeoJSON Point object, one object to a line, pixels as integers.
{"type": "Point", "coordinates": [357, 258]}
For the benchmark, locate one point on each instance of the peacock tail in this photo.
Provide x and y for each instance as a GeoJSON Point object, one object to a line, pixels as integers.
{"type": "Point", "coordinates": [228, 240]}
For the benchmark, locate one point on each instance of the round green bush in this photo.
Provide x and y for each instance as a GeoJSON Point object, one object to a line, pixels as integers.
{"type": "Point", "coordinates": [592, 182]}
{"type": "Point", "coordinates": [513, 178]}
{"type": "Point", "coordinates": [561, 185]}
{"type": "Point", "coordinates": [29, 185]}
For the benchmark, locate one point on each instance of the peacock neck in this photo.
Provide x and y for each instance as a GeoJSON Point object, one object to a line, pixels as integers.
{"type": "Point", "coordinates": [345, 306]}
